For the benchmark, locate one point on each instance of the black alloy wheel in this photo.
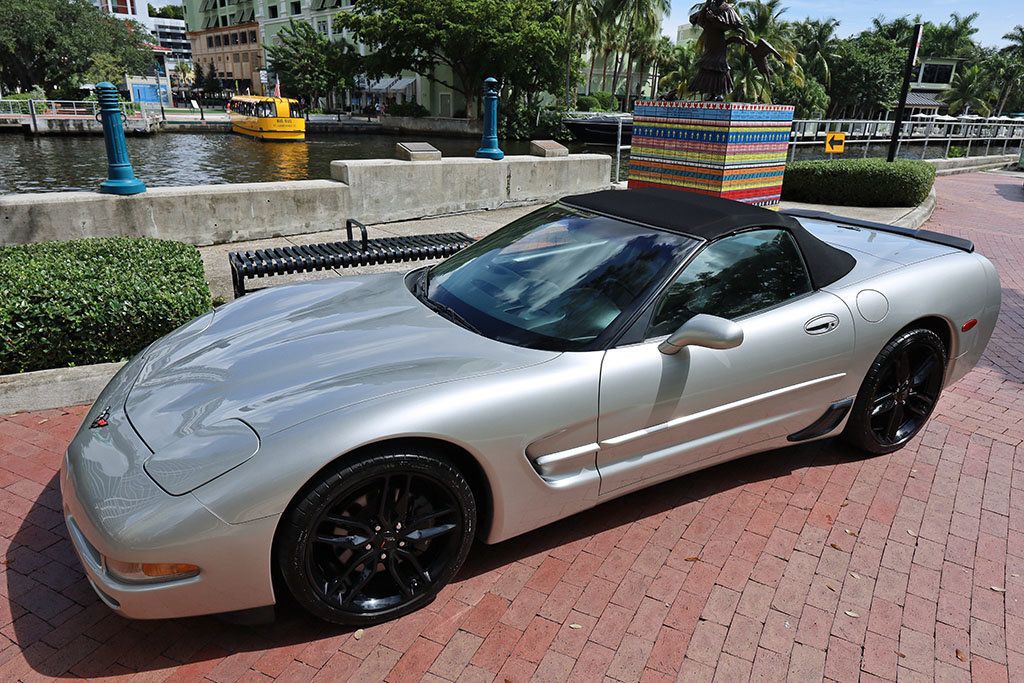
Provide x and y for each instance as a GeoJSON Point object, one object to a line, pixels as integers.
{"type": "Point", "coordinates": [377, 538]}
{"type": "Point", "coordinates": [899, 392]}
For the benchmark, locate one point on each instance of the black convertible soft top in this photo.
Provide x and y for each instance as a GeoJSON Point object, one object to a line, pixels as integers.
{"type": "Point", "coordinates": [709, 218]}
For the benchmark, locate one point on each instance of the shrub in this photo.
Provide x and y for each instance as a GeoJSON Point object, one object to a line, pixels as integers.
{"type": "Point", "coordinates": [413, 109]}
{"type": "Point", "coordinates": [94, 300]}
{"type": "Point", "coordinates": [858, 182]}
{"type": "Point", "coordinates": [606, 100]}
{"type": "Point", "coordinates": [588, 103]}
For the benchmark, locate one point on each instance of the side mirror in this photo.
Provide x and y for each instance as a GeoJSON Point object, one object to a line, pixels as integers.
{"type": "Point", "coordinates": [708, 331]}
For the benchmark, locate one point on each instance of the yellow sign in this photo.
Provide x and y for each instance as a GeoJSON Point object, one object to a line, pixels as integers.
{"type": "Point", "coordinates": [835, 143]}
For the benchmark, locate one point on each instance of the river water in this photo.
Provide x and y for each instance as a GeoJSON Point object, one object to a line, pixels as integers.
{"type": "Point", "coordinates": [52, 164]}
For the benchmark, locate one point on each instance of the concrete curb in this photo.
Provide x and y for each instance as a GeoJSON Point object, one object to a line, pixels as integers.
{"type": "Point", "coordinates": [45, 389]}
{"type": "Point", "coordinates": [919, 215]}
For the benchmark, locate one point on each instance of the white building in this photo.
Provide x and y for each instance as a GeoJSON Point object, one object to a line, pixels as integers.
{"type": "Point", "coordinates": [167, 33]}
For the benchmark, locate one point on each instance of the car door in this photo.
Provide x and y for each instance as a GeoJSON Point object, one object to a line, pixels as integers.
{"type": "Point", "coordinates": [662, 415]}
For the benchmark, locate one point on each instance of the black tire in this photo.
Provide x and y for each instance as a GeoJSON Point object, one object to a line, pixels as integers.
{"type": "Point", "coordinates": [899, 393]}
{"type": "Point", "coordinates": [349, 535]}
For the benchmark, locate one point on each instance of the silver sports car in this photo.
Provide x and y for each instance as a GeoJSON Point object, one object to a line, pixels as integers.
{"type": "Point", "coordinates": [345, 441]}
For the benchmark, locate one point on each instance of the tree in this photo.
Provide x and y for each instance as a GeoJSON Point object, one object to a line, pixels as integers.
{"type": "Point", "coordinates": [678, 71]}
{"type": "Point", "coordinates": [212, 81]}
{"type": "Point", "coordinates": [309, 64]}
{"type": "Point", "coordinates": [866, 75]}
{"type": "Point", "coordinates": [954, 38]}
{"type": "Point", "coordinates": [763, 19]}
{"type": "Point", "coordinates": [184, 74]}
{"type": "Point", "coordinates": [971, 91]}
{"type": "Point", "coordinates": [1016, 39]}
{"type": "Point", "coordinates": [167, 11]}
{"type": "Point", "coordinates": [816, 42]}
{"type": "Point", "coordinates": [199, 80]}
{"type": "Point", "coordinates": [53, 43]}
{"type": "Point", "coordinates": [517, 41]}
{"type": "Point", "coordinates": [644, 19]}
{"type": "Point", "coordinates": [810, 99]}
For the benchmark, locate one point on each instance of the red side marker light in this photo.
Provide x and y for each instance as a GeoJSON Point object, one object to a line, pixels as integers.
{"type": "Point", "coordinates": [969, 325]}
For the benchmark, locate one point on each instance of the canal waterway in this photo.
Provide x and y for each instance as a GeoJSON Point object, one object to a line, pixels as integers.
{"type": "Point", "coordinates": [53, 164]}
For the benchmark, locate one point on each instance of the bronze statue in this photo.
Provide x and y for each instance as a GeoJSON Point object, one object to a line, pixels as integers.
{"type": "Point", "coordinates": [714, 77]}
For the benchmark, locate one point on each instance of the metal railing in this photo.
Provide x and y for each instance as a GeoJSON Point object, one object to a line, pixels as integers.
{"type": "Point", "coordinates": [973, 136]}
{"type": "Point", "coordinates": [66, 108]}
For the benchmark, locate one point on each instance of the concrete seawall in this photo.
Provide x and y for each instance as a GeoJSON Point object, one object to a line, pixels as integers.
{"type": "Point", "coordinates": [373, 191]}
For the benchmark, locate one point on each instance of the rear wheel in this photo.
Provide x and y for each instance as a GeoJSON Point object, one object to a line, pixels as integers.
{"type": "Point", "coordinates": [377, 537]}
{"type": "Point", "coordinates": [899, 393]}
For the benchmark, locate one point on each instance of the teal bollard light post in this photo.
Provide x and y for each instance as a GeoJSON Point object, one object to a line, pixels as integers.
{"type": "Point", "coordinates": [489, 143]}
{"type": "Point", "coordinates": [120, 175]}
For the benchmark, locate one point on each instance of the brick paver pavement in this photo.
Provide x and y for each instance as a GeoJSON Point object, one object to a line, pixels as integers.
{"type": "Point", "coordinates": [808, 561]}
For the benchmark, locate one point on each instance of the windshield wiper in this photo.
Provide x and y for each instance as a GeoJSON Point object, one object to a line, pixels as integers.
{"type": "Point", "coordinates": [423, 294]}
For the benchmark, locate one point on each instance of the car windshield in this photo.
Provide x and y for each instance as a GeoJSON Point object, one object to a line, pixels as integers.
{"type": "Point", "coordinates": [555, 279]}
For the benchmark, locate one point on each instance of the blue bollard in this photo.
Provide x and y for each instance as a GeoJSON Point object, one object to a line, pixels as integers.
{"type": "Point", "coordinates": [121, 177]}
{"type": "Point", "coordinates": [489, 143]}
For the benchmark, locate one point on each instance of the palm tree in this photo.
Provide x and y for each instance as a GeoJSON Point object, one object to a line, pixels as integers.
{"type": "Point", "coordinates": [971, 91]}
{"type": "Point", "coordinates": [184, 74]}
{"type": "Point", "coordinates": [679, 69]}
{"type": "Point", "coordinates": [571, 8]}
{"type": "Point", "coordinates": [1016, 39]}
{"type": "Point", "coordinates": [953, 38]}
{"type": "Point", "coordinates": [641, 18]}
{"type": "Point", "coordinates": [817, 47]}
{"type": "Point", "coordinates": [763, 19]}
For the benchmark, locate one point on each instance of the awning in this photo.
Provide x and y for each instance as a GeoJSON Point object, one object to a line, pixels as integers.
{"type": "Point", "coordinates": [922, 101]}
{"type": "Point", "coordinates": [385, 85]}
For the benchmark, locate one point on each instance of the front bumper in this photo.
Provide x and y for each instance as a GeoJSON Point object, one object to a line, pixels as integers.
{"type": "Point", "coordinates": [114, 509]}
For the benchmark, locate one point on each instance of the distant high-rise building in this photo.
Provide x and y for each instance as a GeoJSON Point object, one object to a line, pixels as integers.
{"type": "Point", "coordinates": [687, 33]}
{"type": "Point", "coordinates": [167, 33]}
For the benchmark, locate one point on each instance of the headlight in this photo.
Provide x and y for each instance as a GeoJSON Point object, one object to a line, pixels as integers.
{"type": "Point", "coordinates": [148, 572]}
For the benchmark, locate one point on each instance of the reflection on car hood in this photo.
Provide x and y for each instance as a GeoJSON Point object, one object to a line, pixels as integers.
{"type": "Point", "coordinates": [291, 353]}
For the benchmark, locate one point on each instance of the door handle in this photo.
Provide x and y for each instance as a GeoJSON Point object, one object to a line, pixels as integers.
{"type": "Point", "coordinates": [823, 324]}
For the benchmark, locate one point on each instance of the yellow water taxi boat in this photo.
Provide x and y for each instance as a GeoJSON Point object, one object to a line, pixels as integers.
{"type": "Point", "coordinates": [267, 118]}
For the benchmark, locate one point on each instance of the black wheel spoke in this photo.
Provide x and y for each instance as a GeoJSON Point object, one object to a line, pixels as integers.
{"type": "Point", "coordinates": [384, 495]}
{"type": "Point", "coordinates": [415, 565]}
{"type": "Point", "coordinates": [919, 404]}
{"type": "Point", "coordinates": [402, 506]}
{"type": "Point", "coordinates": [352, 542]}
{"type": "Point", "coordinates": [352, 564]}
{"type": "Point", "coordinates": [429, 532]}
{"type": "Point", "coordinates": [883, 404]}
{"type": "Point", "coordinates": [421, 521]}
{"type": "Point", "coordinates": [364, 578]}
{"type": "Point", "coordinates": [348, 523]}
{"type": "Point", "coordinates": [924, 371]}
{"type": "Point", "coordinates": [895, 422]}
{"type": "Point", "coordinates": [903, 367]}
{"type": "Point", "coordinates": [396, 574]}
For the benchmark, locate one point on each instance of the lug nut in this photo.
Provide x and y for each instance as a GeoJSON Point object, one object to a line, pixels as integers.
{"type": "Point", "coordinates": [376, 528]}
{"type": "Point", "coordinates": [398, 526]}
{"type": "Point", "coordinates": [383, 556]}
{"type": "Point", "coordinates": [369, 546]}
{"type": "Point", "coordinates": [401, 544]}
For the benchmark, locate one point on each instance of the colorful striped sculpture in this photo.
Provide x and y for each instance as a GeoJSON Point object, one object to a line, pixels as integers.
{"type": "Point", "coordinates": [725, 149]}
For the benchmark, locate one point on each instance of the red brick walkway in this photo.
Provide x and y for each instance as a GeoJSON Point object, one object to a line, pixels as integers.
{"type": "Point", "coordinates": [806, 561]}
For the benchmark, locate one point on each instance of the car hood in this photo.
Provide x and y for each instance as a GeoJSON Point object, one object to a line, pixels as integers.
{"type": "Point", "coordinates": [287, 354]}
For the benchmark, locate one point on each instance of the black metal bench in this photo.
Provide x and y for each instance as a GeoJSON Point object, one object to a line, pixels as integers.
{"type": "Point", "coordinates": [348, 254]}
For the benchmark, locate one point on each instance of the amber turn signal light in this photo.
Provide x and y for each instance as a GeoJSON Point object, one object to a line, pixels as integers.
{"type": "Point", "coordinates": [145, 572]}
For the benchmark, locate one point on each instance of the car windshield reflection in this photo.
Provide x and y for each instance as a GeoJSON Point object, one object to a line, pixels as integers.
{"type": "Point", "coordinates": [557, 279]}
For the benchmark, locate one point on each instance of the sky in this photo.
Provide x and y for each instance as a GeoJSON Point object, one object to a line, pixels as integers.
{"type": "Point", "coordinates": [997, 16]}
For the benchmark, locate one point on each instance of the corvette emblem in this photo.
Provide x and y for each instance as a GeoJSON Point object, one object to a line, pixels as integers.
{"type": "Point", "coordinates": [101, 419]}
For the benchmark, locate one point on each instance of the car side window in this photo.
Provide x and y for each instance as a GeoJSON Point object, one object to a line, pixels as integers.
{"type": "Point", "coordinates": [733, 277]}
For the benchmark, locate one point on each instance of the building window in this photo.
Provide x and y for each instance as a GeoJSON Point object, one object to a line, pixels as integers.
{"type": "Point", "coordinates": [296, 7]}
{"type": "Point", "coordinates": [272, 10]}
{"type": "Point", "coordinates": [321, 26]}
{"type": "Point", "coordinates": [216, 41]}
{"type": "Point", "coordinates": [937, 73]}
{"type": "Point", "coordinates": [209, 41]}
{"type": "Point", "coordinates": [245, 56]}
{"type": "Point", "coordinates": [234, 39]}
{"type": "Point", "coordinates": [235, 57]}
{"type": "Point", "coordinates": [244, 37]}
{"type": "Point", "coordinates": [252, 37]}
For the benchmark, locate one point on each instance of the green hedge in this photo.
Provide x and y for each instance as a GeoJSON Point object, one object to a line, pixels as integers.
{"type": "Point", "coordinates": [858, 182]}
{"type": "Point", "coordinates": [94, 300]}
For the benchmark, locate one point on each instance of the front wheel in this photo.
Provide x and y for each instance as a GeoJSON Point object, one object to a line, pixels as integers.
{"type": "Point", "coordinates": [377, 537]}
{"type": "Point", "coordinates": [899, 393]}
